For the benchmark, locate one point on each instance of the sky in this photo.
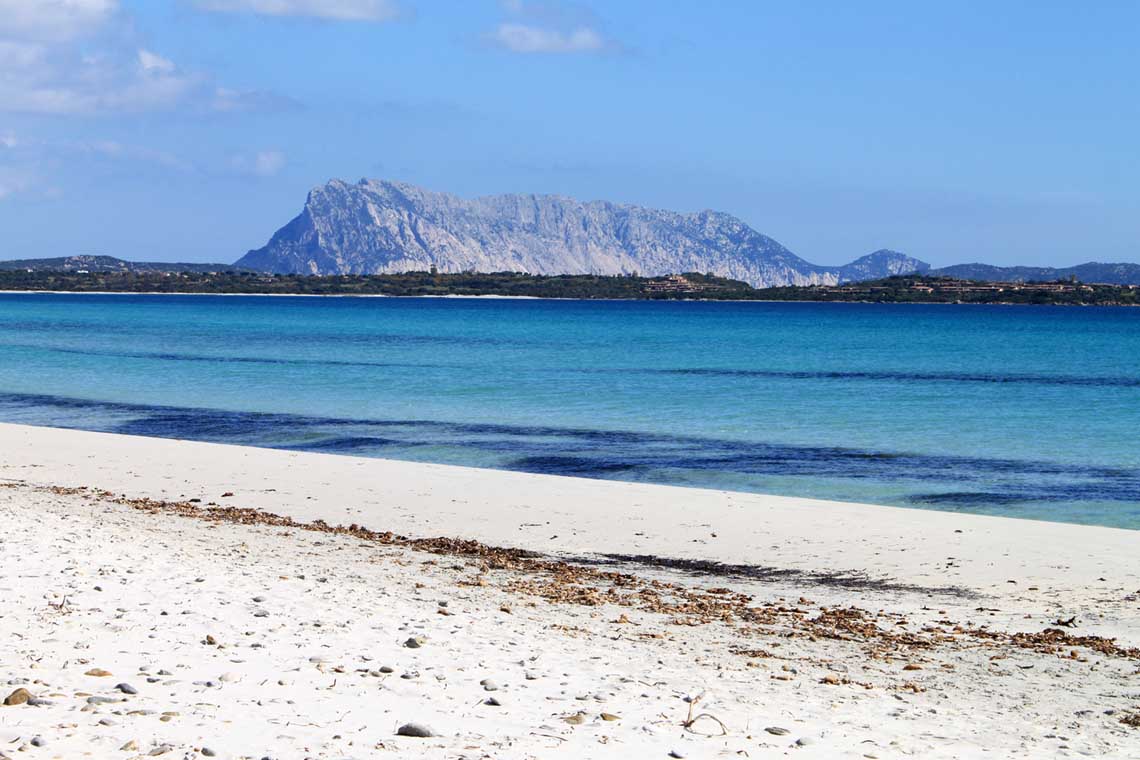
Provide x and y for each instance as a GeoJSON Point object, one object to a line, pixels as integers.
{"type": "Point", "coordinates": [190, 130]}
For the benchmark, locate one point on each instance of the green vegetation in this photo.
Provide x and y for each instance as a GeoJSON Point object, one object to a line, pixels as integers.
{"type": "Point", "coordinates": [406, 284]}
{"type": "Point", "coordinates": [925, 289]}
{"type": "Point", "coordinates": [905, 289]}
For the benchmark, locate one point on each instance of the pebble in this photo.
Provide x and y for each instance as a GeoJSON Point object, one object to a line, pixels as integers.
{"type": "Point", "coordinates": [418, 730]}
{"type": "Point", "coordinates": [209, 752]}
{"type": "Point", "coordinates": [489, 685]}
{"type": "Point", "coordinates": [415, 642]}
{"type": "Point", "coordinates": [777, 731]}
{"type": "Point", "coordinates": [804, 741]}
{"type": "Point", "coordinates": [38, 741]}
{"type": "Point", "coordinates": [259, 599]}
{"type": "Point", "coordinates": [491, 701]}
{"type": "Point", "coordinates": [18, 697]}
{"type": "Point", "coordinates": [387, 669]}
{"type": "Point", "coordinates": [126, 688]}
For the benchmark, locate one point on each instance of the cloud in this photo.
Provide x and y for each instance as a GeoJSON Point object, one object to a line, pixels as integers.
{"type": "Point", "coordinates": [27, 163]}
{"type": "Point", "coordinates": [44, 78]}
{"type": "Point", "coordinates": [266, 163]}
{"type": "Point", "coordinates": [269, 162]}
{"type": "Point", "coordinates": [78, 58]}
{"type": "Point", "coordinates": [53, 20]}
{"type": "Point", "coordinates": [336, 10]}
{"type": "Point", "coordinates": [45, 68]}
{"type": "Point", "coordinates": [118, 151]}
{"type": "Point", "coordinates": [520, 38]}
{"type": "Point", "coordinates": [38, 167]}
{"type": "Point", "coordinates": [155, 63]}
{"type": "Point", "coordinates": [549, 28]}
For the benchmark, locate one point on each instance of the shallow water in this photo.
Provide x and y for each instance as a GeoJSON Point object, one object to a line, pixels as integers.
{"type": "Point", "coordinates": [1023, 411]}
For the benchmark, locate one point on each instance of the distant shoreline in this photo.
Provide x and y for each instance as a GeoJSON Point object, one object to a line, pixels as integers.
{"type": "Point", "coordinates": [290, 295]}
{"type": "Point", "coordinates": [688, 286]}
{"type": "Point", "coordinates": [498, 297]}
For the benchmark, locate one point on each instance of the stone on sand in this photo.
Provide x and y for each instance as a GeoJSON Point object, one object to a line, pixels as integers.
{"type": "Point", "coordinates": [418, 730]}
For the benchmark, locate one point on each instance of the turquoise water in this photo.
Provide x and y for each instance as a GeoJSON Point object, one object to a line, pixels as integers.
{"type": "Point", "coordinates": [1025, 411]}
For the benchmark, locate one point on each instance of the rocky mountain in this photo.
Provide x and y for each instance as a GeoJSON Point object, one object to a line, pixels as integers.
{"type": "Point", "coordinates": [1108, 274]}
{"type": "Point", "coordinates": [881, 263]}
{"type": "Point", "coordinates": [379, 226]}
{"type": "Point", "coordinates": [107, 264]}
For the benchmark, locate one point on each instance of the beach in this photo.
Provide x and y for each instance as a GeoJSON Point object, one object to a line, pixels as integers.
{"type": "Point", "coordinates": [193, 599]}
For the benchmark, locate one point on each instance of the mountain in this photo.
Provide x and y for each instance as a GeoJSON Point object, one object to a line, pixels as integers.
{"type": "Point", "coordinates": [881, 263]}
{"type": "Point", "coordinates": [1092, 272]}
{"type": "Point", "coordinates": [107, 264]}
{"type": "Point", "coordinates": [379, 226]}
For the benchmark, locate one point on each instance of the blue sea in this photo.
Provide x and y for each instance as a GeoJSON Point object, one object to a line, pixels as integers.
{"type": "Point", "coordinates": [1024, 411]}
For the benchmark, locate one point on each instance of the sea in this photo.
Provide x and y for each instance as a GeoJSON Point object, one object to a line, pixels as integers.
{"type": "Point", "coordinates": [1025, 411]}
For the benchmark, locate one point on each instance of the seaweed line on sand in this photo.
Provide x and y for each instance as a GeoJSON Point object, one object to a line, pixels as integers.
{"type": "Point", "coordinates": [564, 581]}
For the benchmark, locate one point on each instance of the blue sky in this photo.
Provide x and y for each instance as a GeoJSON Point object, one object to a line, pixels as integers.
{"type": "Point", "coordinates": [191, 129]}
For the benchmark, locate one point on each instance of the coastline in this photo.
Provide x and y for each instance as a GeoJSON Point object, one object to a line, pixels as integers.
{"type": "Point", "coordinates": [886, 632]}
{"type": "Point", "coordinates": [270, 295]}
{"type": "Point", "coordinates": [492, 296]}
{"type": "Point", "coordinates": [589, 515]}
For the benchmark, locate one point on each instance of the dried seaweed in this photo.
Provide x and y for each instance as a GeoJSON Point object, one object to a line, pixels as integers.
{"type": "Point", "coordinates": [566, 582]}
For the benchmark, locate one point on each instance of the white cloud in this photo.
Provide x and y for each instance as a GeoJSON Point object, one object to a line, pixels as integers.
{"type": "Point", "coordinates": [266, 163]}
{"type": "Point", "coordinates": [522, 38]}
{"type": "Point", "coordinates": [45, 68]}
{"type": "Point", "coordinates": [269, 162]}
{"type": "Point", "coordinates": [118, 151]}
{"type": "Point", "coordinates": [154, 62]}
{"type": "Point", "coordinates": [53, 20]}
{"type": "Point", "coordinates": [337, 10]}
{"type": "Point", "coordinates": [549, 27]}
{"type": "Point", "coordinates": [56, 79]}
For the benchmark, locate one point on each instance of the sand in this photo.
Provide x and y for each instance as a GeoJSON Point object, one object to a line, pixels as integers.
{"type": "Point", "coordinates": [803, 628]}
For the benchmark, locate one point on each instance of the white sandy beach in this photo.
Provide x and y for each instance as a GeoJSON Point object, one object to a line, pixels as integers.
{"type": "Point", "coordinates": [862, 631]}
